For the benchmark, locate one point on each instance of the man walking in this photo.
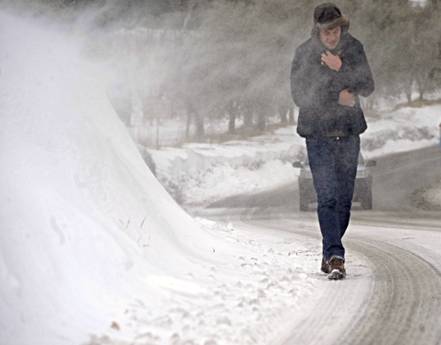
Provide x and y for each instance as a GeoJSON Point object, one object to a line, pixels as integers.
{"type": "Point", "coordinates": [329, 73]}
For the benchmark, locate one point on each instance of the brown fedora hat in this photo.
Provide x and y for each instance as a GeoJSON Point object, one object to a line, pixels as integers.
{"type": "Point", "coordinates": [329, 16]}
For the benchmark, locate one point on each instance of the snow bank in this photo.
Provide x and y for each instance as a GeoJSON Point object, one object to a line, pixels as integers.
{"type": "Point", "coordinates": [84, 224]}
{"type": "Point", "coordinates": [402, 130]}
{"type": "Point", "coordinates": [433, 195]}
{"type": "Point", "coordinates": [204, 173]}
{"type": "Point", "coordinates": [429, 198]}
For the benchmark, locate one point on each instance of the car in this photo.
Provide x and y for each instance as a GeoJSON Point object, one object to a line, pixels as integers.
{"type": "Point", "coordinates": [362, 190]}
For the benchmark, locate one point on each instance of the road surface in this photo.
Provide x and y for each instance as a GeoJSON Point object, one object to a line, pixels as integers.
{"type": "Point", "coordinates": [401, 300]}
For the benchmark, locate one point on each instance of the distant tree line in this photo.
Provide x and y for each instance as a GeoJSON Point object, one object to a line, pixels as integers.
{"type": "Point", "coordinates": [231, 58]}
{"type": "Point", "coordinates": [236, 64]}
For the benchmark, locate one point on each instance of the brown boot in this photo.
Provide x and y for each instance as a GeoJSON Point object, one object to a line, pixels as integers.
{"type": "Point", "coordinates": [337, 268]}
{"type": "Point", "coordinates": [325, 266]}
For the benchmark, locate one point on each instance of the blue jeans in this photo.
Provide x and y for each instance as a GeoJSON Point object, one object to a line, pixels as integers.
{"type": "Point", "coordinates": [333, 163]}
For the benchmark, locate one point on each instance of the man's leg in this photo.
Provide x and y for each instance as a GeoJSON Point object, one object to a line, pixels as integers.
{"type": "Point", "coordinates": [321, 157]}
{"type": "Point", "coordinates": [346, 171]}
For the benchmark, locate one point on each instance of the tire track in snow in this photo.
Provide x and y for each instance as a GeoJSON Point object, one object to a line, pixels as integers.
{"type": "Point", "coordinates": [403, 305]}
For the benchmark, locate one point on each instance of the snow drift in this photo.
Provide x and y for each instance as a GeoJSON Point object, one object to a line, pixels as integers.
{"type": "Point", "coordinates": [84, 225]}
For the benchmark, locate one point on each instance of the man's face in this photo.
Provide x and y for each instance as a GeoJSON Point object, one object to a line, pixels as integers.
{"type": "Point", "coordinates": [330, 37]}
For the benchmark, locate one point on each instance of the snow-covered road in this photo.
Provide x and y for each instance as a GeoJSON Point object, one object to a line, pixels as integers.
{"type": "Point", "coordinates": [392, 294]}
{"type": "Point", "coordinates": [393, 291]}
{"type": "Point", "coordinates": [398, 301]}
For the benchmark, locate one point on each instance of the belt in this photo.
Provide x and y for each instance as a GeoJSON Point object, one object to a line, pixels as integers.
{"type": "Point", "coordinates": [336, 134]}
{"type": "Point", "coordinates": [337, 138]}
{"type": "Point", "coordinates": [332, 136]}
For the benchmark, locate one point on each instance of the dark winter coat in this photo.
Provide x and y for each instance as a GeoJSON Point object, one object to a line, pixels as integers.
{"type": "Point", "coordinates": [315, 88]}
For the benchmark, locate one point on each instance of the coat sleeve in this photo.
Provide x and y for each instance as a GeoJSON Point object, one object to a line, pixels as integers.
{"type": "Point", "coordinates": [309, 87]}
{"type": "Point", "coordinates": [356, 72]}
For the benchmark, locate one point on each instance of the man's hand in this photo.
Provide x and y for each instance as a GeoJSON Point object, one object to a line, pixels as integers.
{"type": "Point", "coordinates": [346, 98]}
{"type": "Point", "coordinates": [332, 61]}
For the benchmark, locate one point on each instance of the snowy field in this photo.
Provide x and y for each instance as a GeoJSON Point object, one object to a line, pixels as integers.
{"type": "Point", "coordinates": [199, 174]}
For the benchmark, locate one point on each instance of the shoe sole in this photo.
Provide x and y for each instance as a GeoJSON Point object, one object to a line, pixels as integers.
{"type": "Point", "coordinates": [336, 275]}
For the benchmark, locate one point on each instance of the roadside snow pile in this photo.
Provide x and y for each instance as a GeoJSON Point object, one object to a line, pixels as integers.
{"type": "Point", "coordinates": [430, 198]}
{"type": "Point", "coordinates": [204, 173]}
{"type": "Point", "coordinates": [90, 242]}
{"type": "Point", "coordinates": [433, 195]}
{"type": "Point", "coordinates": [83, 224]}
{"type": "Point", "coordinates": [402, 130]}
